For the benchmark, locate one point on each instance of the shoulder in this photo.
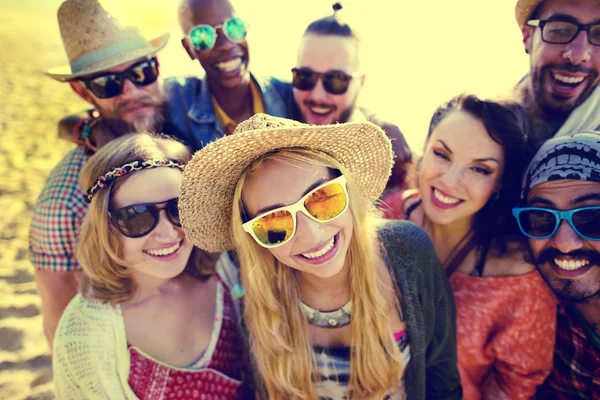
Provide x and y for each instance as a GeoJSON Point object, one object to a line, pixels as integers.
{"type": "Point", "coordinates": [407, 242]}
{"type": "Point", "coordinates": [182, 86]}
{"type": "Point", "coordinates": [282, 87]}
{"type": "Point", "coordinates": [83, 318]}
{"type": "Point", "coordinates": [62, 185]}
{"type": "Point", "coordinates": [512, 263]}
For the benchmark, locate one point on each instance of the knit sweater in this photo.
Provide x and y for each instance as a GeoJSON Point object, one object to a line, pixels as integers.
{"type": "Point", "coordinates": [90, 358]}
{"type": "Point", "coordinates": [429, 311]}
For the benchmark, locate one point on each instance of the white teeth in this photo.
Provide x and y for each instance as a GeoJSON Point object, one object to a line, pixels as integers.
{"type": "Point", "coordinates": [444, 199]}
{"type": "Point", "coordinates": [228, 66]}
{"type": "Point", "coordinates": [164, 252]}
{"type": "Point", "coordinates": [321, 110]}
{"type": "Point", "coordinates": [572, 80]}
{"type": "Point", "coordinates": [571, 265]}
{"type": "Point", "coordinates": [324, 250]}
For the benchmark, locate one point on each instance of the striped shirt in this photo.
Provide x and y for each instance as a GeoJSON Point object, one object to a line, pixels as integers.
{"type": "Point", "coordinates": [333, 368]}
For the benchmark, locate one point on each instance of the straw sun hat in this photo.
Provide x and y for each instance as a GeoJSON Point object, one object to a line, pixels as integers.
{"type": "Point", "coordinates": [209, 179]}
{"type": "Point", "coordinates": [524, 9]}
{"type": "Point", "coordinates": [95, 41]}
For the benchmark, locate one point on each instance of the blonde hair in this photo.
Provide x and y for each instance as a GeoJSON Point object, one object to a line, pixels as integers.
{"type": "Point", "coordinates": [278, 331]}
{"type": "Point", "coordinates": [99, 250]}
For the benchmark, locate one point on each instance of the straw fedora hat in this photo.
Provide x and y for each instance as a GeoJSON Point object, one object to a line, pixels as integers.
{"type": "Point", "coordinates": [210, 178]}
{"type": "Point", "coordinates": [94, 40]}
{"type": "Point", "coordinates": [524, 9]}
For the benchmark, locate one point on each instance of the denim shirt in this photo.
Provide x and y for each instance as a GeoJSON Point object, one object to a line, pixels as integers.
{"type": "Point", "coordinates": [191, 111]}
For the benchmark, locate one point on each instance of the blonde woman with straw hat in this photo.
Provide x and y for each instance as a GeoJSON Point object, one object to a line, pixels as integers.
{"type": "Point", "coordinates": [155, 318]}
{"type": "Point", "coordinates": [338, 303]}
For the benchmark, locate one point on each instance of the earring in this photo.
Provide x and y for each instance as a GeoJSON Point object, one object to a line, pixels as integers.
{"type": "Point", "coordinates": [496, 195]}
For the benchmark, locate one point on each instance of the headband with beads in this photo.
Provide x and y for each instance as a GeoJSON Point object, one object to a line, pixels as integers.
{"type": "Point", "coordinates": [114, 173]}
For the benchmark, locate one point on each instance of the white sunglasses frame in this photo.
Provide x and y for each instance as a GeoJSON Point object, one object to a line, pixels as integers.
{"type": "Point", "coordinates": [294, 208]}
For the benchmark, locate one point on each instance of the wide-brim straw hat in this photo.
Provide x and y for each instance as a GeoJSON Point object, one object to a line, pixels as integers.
{"type": "Point", "coordinates": [95, 41]}
{"type": "Point", "coordinates": [524, 9]}
{"type": "Point", "coordinates": [210, 178]}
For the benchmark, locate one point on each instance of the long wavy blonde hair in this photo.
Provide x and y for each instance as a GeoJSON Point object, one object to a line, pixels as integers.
{"type": "Point", "coordinates": [278, 331]}
{"type": "Point", "coordinates": [100, 250]}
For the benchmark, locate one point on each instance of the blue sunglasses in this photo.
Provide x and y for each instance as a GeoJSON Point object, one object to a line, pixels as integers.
{"type": "Point", "coordinates": [542, 223]}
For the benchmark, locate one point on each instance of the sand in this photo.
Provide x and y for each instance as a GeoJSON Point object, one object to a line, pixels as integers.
{"type": "Point", "coordinates": [30, 106]}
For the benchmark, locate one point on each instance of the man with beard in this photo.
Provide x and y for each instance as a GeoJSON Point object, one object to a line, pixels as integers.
{"type": "Point", "coordinates": [561, 190]}
{"type": "Point", "coordinates": [112, 68]}
{"type": "Point", "coordinates": [562, 38]}
{"type": "Point", "coordinates": [327, 81]}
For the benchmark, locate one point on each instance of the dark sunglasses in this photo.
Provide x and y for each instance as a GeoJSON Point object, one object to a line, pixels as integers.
{"type": "Point", "coordinates": [563, 32]}
{"type": "Point", "coordinates": [334, 82]}
{"type": "Point", "coordinates": [542, 223]}
{"type": "Point", "coordinates": [203, 37]}
{"type": "Point", "coordinates": [138, 220]}
{"type": "Point", "coordinates": [110, 84]}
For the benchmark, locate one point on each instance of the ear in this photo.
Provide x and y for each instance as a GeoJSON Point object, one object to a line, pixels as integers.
{"type": "Point", "coordinates": [81, 91]}
{"type": "Point", "coordinates": [362, 80]}
{"type": "Point", "coordinates": [527, 32]}
{"type": "Point", "coordinates": [188, 48]}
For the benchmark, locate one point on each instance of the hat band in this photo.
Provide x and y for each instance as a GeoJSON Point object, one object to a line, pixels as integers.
{"type": "Point", "coordinates": [109, 51]}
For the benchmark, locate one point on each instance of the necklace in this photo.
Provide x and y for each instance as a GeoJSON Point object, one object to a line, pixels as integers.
{"type": "Point", "coordinates": [329, 319]}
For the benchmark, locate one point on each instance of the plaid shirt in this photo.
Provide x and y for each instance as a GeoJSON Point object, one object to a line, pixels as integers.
{"type": "Point", "coordinates": [58, 215]}
{"type": "Point", "coordinates": [576, 373]}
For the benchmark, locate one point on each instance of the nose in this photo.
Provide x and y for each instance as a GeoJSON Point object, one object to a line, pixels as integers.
{"type": "Point", "coordinates": [165, 231]}
{"type": "Point", "coordinates": [579, 51]}
{"type": "Point", "coordinates": [318, 93]}
{"type": "Point", "coordinates": [129, 89]}
{"type": "Point", "coordinates": [453, 176]}
{"type": "Point", "coordinates": [223, 42]}
{"type": "Point", "coordinates": [307, 229]}
{"type": "Point", "coordinates": [566, 239]}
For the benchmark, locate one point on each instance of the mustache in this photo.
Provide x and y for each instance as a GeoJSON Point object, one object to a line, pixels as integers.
{"type": "Point", "coordinates": [568, 67]}
{"type": "Point", "coordinates": [144, 100]}
{"type": "Point", "coordinates": [312, 103]}
{"type": "Point", "coordinates": [551, 253]}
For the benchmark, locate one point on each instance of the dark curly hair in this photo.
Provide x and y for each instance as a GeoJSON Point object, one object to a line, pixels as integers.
{"type": "Point", "coordinates": [505, 122]}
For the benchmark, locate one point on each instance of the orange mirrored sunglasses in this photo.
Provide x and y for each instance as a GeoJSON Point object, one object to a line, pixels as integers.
{"type": "Point", "coordinates": [322, 204]}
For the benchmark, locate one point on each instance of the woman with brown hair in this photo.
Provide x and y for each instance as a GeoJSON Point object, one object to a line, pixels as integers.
{"type": "Point", "coordinates": [338, 304]}
{"type": "Point", "coordinates": [153, 317]}
{"type": "Point", "coordinates": [468, 182]}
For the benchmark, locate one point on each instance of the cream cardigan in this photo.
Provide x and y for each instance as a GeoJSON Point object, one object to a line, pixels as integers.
{"type": "Point", "coordinates": [90, 357]}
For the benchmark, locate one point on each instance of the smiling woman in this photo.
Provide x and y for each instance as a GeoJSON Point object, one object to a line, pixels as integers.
{"type": "Point", "coordinates": [130, 326]}
{"type": "Point", "coordinates": [468, 181]}
{"type": "Point", "coordinates": [329, 287]}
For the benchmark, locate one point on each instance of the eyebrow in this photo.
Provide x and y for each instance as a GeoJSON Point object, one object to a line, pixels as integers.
{"type": "Point", "coordinates": [279, 205]}
{"type": "Point", "coordinates": [543, 201]}
{"type": "Point", "coordinates": [567, 18]}
{"type": "Point", "coordinates": [477, 159]}
{"type": "Point", "coordinates": [587, 197]}
{"type": "Point", "coordinates": [576, 201]}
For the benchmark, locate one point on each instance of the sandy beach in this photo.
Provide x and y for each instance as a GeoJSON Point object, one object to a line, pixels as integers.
{"type": "Point", "coordinates": [30, 106]}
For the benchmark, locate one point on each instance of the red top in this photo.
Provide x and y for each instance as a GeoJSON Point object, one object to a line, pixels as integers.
{"type": "Point", "coordinates": [505, 327]}
{"type": "Point", "coordinates": [217, 374]}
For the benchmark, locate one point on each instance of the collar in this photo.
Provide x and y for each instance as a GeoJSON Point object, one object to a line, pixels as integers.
{"type": "Point", "coordinates": [587, 329]}
{"type": "Point", "coordinates": [202, 110]}
{"type": "Point", "coordinates": [227, 123]}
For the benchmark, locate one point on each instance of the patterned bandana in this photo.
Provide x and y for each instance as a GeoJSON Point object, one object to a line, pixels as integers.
{"type": "Point", "coordinates": [575, 157]}
{"type": "Point", "coordinates": [115, 173]}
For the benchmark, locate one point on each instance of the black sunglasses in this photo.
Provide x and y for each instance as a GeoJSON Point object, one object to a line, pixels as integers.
{"type": "Point", "coordinates": [138, 220]}
{"type": "Point", "coordinates": [110, 84]}
{"type": "Point", "coordinates": [334, 82]}
{"type": "Point", "coordinates": [563, 32]}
